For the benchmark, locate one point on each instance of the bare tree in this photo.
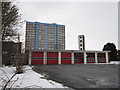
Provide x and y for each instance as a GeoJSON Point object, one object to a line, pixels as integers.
{"type": "Point", "coordinates": [9, 82]}
{"type": "Point", "coordinates": [10, 19]}
{"type": "Point", "coordinates": [10, 24]}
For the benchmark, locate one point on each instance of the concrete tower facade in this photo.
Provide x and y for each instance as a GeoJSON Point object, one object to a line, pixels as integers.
{"type": "Point", "coordinates": [44, 36]}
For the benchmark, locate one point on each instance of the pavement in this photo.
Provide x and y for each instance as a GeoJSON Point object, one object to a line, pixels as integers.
{"type": "Point", "coordinates": [81, 75]}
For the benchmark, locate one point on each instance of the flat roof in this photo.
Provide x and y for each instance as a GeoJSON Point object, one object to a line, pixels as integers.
{"type": "Point", "coordinates": [43, 50]}
{"type": "Point", "coordinates": [44, 23]}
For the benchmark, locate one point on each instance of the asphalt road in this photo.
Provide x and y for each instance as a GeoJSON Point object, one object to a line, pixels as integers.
{"type": "Point", "coordinates": [82, 75]}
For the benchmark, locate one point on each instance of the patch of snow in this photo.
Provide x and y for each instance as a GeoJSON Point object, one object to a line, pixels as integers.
{"type": "Point", "coordinates": [28, 79]}
{"type": "Point", "coordinates": [115, 62]}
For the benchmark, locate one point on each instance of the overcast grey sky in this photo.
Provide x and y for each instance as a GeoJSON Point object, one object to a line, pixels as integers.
{"type": "Point", "coordinates": [98, 21]}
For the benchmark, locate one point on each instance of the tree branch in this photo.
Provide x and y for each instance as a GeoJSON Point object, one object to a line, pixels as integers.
{"type": "Point", "coordinates": [8, 82]}
{"type": "Point", "coordinates": [4, 73]}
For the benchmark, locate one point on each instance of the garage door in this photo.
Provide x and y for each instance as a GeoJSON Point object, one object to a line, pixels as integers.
{"type": "Point", "coordinates": [37, 58]}
{"type": "Point", "coordinates": [90, 57]}
{"type": "Point", "coordinates": [101, 58]}
{"type": "Point", "coordinates": [66, 58]}
{"type": "Point", "coordinates": [79, 57]}
{"type": "Point", "coordinates": [52, 57]}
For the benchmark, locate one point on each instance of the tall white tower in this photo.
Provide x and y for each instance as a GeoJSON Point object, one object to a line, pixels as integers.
{"type": "Point", "coordinates": [81, 42]}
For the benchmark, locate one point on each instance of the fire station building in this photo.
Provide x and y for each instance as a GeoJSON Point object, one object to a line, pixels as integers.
{"type": "Point", "coordinates": [45, 57]}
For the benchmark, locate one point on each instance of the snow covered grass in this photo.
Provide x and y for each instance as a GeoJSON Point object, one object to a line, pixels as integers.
{"type": "Point", "coordinates": [28, 79]}
{"type": "Point", "coordinates": [115, 62]}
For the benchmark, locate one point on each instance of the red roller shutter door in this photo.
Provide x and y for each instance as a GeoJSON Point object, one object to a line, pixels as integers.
{"type": "Point", "coordinates": [79, 57]}
{"type": "Point", "coordinates": [66, 58]}
{"type": "Point", "coordinates": [101, 58]}
{"type": "Point", "coordinates": [52, 57]}
{"type": "Point", "coordinates": [90, 57]}
{"type": "Point", "coordinates": [37, 58]}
